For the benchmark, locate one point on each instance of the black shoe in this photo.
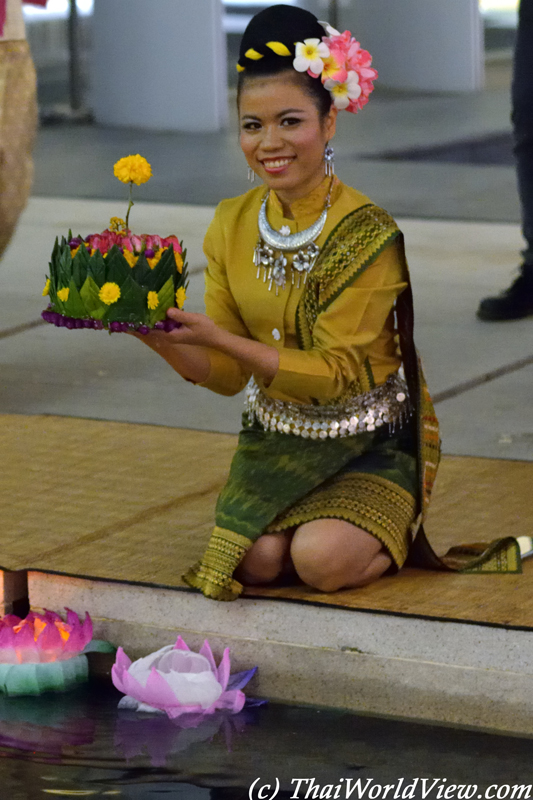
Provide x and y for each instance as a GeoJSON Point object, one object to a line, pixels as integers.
{"type": "Point", "coordinates": [515, 303]}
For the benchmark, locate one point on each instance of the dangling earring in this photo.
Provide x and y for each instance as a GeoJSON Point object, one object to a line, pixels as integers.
{"type": "Point", "coordinates": [329, 161]}
{"type": "Point", "coordinates": [251, 175]}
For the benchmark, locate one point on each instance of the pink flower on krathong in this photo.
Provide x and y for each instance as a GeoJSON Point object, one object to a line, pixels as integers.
{"type": "Point", "coordinates": [174, 241]}
{"type": "Point", "coordinates": [104, 241]}
{"type": "Point", "coordinates": [136, 242]}
{"type": "Point", "coordinates": [43, 637]}
{"type": "Point", "coordinates": [177, 681]}
{"type": "Point", "coordinates": [126, 243]}
{"type": "Point", "coordinates": [153, 242]}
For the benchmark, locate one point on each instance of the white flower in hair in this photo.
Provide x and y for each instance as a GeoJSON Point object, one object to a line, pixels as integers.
{"type": "Point", "coordinates": [328, 28]}
{"type": "Point", "coordinates": [309, 56]}
{"type": "Point", "coordinates": [343, 93]}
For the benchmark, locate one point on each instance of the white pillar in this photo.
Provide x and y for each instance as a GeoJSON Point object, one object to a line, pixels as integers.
{"type": "Point", "coordinates": [160, 65]}
{"type": "Point", "coordinates": [419, 45]}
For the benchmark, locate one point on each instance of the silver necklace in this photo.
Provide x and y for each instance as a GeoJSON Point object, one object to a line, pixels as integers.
{"type": "Point", "coordinates": [272, 247]}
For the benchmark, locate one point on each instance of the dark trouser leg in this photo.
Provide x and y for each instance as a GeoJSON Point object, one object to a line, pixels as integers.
{"type": "Point", "coordinates": [522, 95]}
{"type": "Point", "coordinates": [517, 301]}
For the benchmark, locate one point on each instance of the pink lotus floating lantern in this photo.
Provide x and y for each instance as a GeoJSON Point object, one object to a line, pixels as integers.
{"type": "Point", "coordinates": [176, 681]}
{"type": "Point", "coordinates": [43, 652]}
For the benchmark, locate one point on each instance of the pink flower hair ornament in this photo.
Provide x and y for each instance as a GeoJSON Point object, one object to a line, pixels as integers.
{"type": "Point", "coordinates": [176, 681]}
{"type": "Point", "coordinates": [342, 65]}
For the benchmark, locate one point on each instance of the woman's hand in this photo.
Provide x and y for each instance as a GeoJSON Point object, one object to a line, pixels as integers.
{"type": "Point", "coordinates": [197, 329]}
{"type": "Point", "coordinates": [184, 347]}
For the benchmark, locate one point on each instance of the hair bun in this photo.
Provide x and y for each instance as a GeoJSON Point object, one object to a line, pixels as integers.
{"type": "Point", "coordinates": [272, 33]}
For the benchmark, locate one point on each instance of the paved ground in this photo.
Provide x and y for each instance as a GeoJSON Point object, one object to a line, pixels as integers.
{"type": "Point", "coordinates": [92, 374]}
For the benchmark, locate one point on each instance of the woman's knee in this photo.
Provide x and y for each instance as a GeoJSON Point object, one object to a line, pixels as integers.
{"type": "Point", "coordinates": [265, 560]}
{"type": "Point", "coordinates": [331, 554]}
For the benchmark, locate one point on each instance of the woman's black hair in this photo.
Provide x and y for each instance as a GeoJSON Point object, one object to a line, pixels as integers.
{"type": "Point", "coordinates": [274, 26]}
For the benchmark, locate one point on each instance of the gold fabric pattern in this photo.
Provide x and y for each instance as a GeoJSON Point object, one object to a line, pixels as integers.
{"type": "Point", "coordinates": [368, 501]}
{"type": "Point", "coordinates": [18, 124]}
{"type": "Point", "coordinates": [213, 574]}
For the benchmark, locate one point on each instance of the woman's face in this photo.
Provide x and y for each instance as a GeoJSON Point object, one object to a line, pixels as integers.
{"type": "Point", "coordinates": [282, 134]}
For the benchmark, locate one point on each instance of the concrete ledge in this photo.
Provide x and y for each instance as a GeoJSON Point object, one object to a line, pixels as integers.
{"type": "Point", "coordinates": [447, 672]}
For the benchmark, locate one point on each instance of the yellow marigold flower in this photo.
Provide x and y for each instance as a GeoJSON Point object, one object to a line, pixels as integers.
{"type": "Point", "coordinates": [73, 252]}
{"type": "Point", "coordinates": [46, 290]}
{"type": "Point", "coordinates": [180, 297]}
{"type": "Point", "coordinates": [153, 262]}
{"type": "Point", "coordinates": [133, 169]}
{"type": "Point", "coordinates": [63, 294]}
{"type": "Point", "coordinates": [130, 258]}
{"type": "Point", "coordinates": [117, 225]}
{"type": "Point", "coordinates": [153, 300]}
{"type": "Point", "coordinates": [179, 261]}
{"type": "Point", "coordinates": [109, 293]}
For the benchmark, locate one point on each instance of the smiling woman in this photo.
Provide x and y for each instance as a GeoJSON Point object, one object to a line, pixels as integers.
{"type": "Point", "coordinates": [308, 305]}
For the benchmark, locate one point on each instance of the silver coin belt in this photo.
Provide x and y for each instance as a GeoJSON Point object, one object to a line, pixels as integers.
{"type": "Point", "coordinates": [387, 404]}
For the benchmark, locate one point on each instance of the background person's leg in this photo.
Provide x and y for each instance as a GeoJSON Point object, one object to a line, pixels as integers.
{"type": "Point", "coordinates": [517, 301]}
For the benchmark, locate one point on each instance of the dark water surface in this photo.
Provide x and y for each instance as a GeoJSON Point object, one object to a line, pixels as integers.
{"type": "Point", "coordinates": [79, 745]}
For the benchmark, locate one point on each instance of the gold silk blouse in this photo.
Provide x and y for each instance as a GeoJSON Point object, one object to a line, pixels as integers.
{"type": "Point", "coordinates": [357, 327]}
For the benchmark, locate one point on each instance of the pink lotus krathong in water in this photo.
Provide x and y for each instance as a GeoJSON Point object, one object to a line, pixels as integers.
{"type": "Point", "coordinates": [177, 681]}
{"type": "Point", "coordinates": [42, 638]}
{"type": "Point", "coordinates": [43, 652]}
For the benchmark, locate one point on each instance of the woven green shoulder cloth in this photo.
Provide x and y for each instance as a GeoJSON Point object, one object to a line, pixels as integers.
{"type": "Point", "coordinates": [352, 246]}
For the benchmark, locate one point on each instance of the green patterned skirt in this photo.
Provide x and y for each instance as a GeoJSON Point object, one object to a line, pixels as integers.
{"type": "Point", "coordinates": [279, 481]}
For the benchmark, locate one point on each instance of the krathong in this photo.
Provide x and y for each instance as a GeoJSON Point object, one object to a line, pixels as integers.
{"type": "Point", "coordinates": [116, 279]}
{"type": "Point", "coordinates": [177, 681]}
{"type": "Point", "coordinates": [43, 652]}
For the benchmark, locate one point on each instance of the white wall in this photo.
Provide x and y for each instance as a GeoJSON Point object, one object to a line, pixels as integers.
{"type": "Point", "coordinates": [421, 45]}
{"type": "Point", "coordinates": [159, 65]}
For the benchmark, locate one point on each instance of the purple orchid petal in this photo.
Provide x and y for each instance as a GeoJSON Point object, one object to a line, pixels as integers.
{"type": "Point", "coordinates": [255, 702]}
{"type": "Point", "coordinates": [25, 638]}
{"type": "Point", "coordinates": [72, 617]}
{"type": "Point", "coordinates": [239, 679]}
{"type": "Point", "coordinates": [11, 620]}
{"type": "Point", "coordinates": [224, 669]}
{"type": "Point", "coordinates": [119, 669]}
{"type": "Point", "coordinates": [181, 645]}
{"type": "Point", "coordinates": [132, 687]}
{"type": "Point", "coordinates": [7, 638]}
{"type": "Point", "coordinates": [206, 651]}
{"type": "Point", "coordinates": [157, 692]}
{"type": "Point", "coordinates": [232, 701]}
{"type": "Point", "coordinates": [122, 660]}
{"type": "Point", "coordinates": [175, 712]}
